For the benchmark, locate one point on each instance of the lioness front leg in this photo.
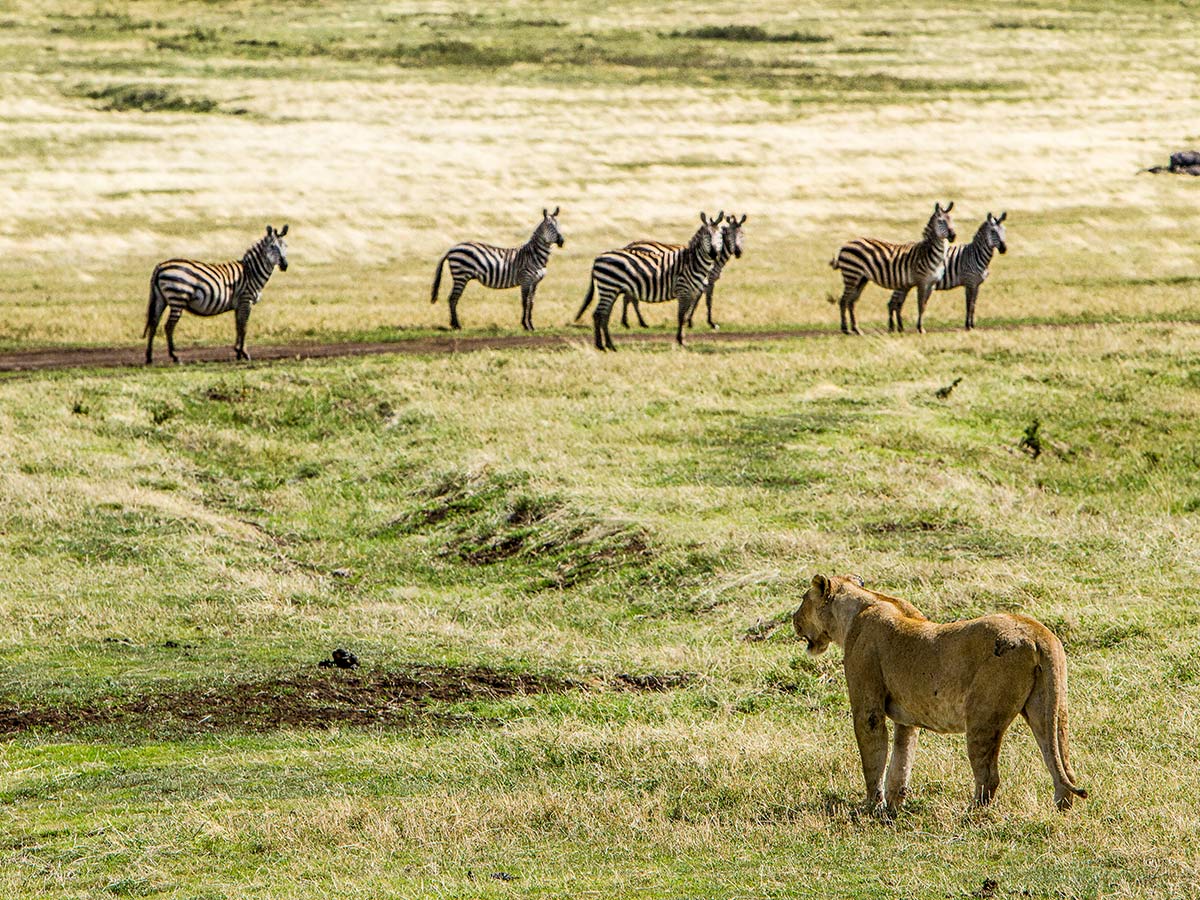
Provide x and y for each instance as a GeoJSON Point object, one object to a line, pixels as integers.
{"type": "Point", "coordinates": [870, 728]}
{"type": "Point", "coordinates": [904, 748]}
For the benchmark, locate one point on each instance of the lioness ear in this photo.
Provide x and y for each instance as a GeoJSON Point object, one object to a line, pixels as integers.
{"type": "Point", "coordinates": [821, 584]}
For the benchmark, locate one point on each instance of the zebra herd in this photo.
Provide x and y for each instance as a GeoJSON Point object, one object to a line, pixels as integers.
{"type": "Point", "coordinates": [642, 271]}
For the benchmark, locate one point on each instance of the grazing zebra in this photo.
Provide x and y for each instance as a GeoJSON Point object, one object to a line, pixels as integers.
{"type": "Point", "coordinates": [966, 267]}
{"type": "Point", "coordinates": [678, 273]}
{"type": "Point", "coordinates": [900, 267]}
{"type": "Point", "coordinates": [731, 246]}
{"type": "Point", "coordinates": [501, 267]}
{"type": "Point", "coordinates": [208, 289]}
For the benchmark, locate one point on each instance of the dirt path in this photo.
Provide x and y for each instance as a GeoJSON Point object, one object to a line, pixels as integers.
{"type": "Point", "coordinates": [120, 357]}
{"type": "Point", "coordinates": [117, 357]}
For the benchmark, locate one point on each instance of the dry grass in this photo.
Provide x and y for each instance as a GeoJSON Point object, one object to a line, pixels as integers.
{"type": "Point", "coordinates": [380, 168]}
{"type": "Point", "coordinates": [575, 517]}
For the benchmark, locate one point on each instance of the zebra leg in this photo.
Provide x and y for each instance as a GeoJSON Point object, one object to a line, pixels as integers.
{"type": "Point", "coordinates": [923, 294]}
{"type": "Point", "coordinates": [896, 307]}
{"type": "Point", "coordinates": [708, 292]}
{"type": "Point", "coordinates": [152, 320]}
{"type": "Point", "coordinates": [600, 317]}
{"type": "Point", "coordinates": [850, 296]}
{"type": "Point", "coordinates": [686, 309]}
{"type": "Point", "coordinates": [526, 307]}
{"type": "Point", "coordinates": [625, 312]}
{"type": "Point", "coordinates": [169, 331]}
{"type": "Point", "coordinates": [242, 316]}
{"type": "Point", "coordinates": [972, 295]}
{"type": "Point", "coordinates": [460, 285]}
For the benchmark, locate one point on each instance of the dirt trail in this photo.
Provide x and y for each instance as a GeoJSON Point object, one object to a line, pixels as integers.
{"type": "Point", "coordinates": [118, 357]}
{"type": "Point", "coordinates": [122, 357]}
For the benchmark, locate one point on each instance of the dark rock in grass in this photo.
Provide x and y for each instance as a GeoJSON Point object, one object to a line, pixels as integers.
{"type": "Point", "coordinates": [342, 659]}
{"type": "Point", "coordinates": [1185, 159]}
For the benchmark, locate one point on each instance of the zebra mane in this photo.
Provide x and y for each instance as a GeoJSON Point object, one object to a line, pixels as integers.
{"type": "Point", "coordinates": [257, 249]}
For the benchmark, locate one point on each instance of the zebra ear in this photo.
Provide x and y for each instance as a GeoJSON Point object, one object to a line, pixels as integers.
{"type": "Point", "coordinates": [743, 222]}
{"type": "Point", "coordinates": [720, 217]}
{"type": "Point", "coordinates": [703, 218]}
{"type": "Point", "coordinates": [556, 209]}
{"type": "Point", "coordinates": [545, 215]}
{"type": "Point", "coordinates": [270, 231]}
{"type": "Point", "coordinates": [949, 206]}
{"type": "Point", "coordinates": [285, 228]}
{"type": "Point", "coordinates": [1003, 216]}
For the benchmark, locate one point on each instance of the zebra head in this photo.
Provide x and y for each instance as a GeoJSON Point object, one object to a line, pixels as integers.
{"type": "Point", "coordinates": [992, 232]}
{"type": "Point", "coordinates": [275, 247]}
{"type": "Point", "coordinates": [549, 231]}
{"type": "Point", "coordinates": [733, 235]}
{"type": "Point", "coordinates": [939, 227]}
{"type": "Point", "coordinates": [707, 240]}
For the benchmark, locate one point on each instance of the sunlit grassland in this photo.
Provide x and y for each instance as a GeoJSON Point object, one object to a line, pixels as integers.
{"type": "Point", "coordinates": [576, 516]}
{"type": "Point", "coordinates": [385, 133]}
{"type": "Point", "coordinates": [599, 526]}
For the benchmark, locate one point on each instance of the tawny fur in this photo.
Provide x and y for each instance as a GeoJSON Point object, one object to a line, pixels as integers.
{"type": "Point", "coordinates": [974, 676]}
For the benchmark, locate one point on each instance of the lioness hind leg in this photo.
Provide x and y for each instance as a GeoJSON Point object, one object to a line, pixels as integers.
{"type": "Point", "coordinates": [904, 748]}
{"type": "Point", "coordinates": [983, 750]}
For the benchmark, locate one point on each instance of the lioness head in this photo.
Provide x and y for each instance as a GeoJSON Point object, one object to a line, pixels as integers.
{"type": "Point", "coordinates": [811, 620]}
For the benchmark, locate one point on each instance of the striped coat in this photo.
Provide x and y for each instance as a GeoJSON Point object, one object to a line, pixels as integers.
{"type": "Point", "coordinates": [676, 273]}
{"type": "Point", "coordinates": [209, 289]}
{"type": "Point", "coordinates": [731, 246]}
{"type": "Point", "coordinates": [899, 267]}
{"type": "Point", "coordinates": [501, 267]}
{"type": "Point", "coordinates": [967, 266]}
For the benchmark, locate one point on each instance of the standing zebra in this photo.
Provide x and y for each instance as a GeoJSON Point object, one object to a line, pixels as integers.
{"type": "Point", "coordinates": [675, 272]}
{"type": "Point", "coordinates": [731, 246]}
{"type": "Point", "coordinates": [501, 267]}
{"type": "Point", "coordinates": [900, 267]}
{"type": "Point", "coordinates": [208, 289]}
{"type": "Point", "coordinates": [966, 267]}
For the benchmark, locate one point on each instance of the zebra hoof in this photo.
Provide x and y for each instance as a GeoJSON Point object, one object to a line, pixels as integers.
{"type": "Point", "coordinates": [714, 326]}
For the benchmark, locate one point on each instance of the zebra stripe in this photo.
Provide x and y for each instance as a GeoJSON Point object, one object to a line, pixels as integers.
{"type": "Point", "coordinates": [731, 246]}
{"type": "Point", "coordinates": [967, 266]}
{"type": "Point", "coordinates": [501, 267]}
{"type": "Point", "coordinates": [209, 289]}
{"type": "Point", "coordinates": [900, 267]}
{"type": "Point", "coordinates": [678, 273]}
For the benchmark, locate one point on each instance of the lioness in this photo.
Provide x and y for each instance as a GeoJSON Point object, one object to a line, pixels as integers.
{"type": "Point", "coordinates": [972, 676]}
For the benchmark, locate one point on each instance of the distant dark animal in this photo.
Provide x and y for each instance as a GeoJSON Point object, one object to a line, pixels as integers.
{"type": "Point", "coordinates": [208, 289]}
{"type": "Point", "coordinates": [680, 273]}
{"type": "Point", "coordinates": [501, 267]}
{"type": "Point", "coordinates": [900, 267]}
{"type": "Point", "coordinates": [731, 246]}
{"type": "Point", "coordinates": [1185, 159]}
{"type": "Point", "coordinates": [966, 267]}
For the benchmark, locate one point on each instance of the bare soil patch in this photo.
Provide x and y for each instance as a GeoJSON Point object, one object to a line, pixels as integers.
{"type": "Point", "coordinates": [319, 698]}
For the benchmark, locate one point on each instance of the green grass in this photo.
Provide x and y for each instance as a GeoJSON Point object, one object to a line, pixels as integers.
{"type": "Point", "coordinates": [569, 576]}
{"type": "Point", "coordinates": [175, 539]}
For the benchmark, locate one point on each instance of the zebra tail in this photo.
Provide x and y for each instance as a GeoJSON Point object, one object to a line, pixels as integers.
{"type": "Point", "coordinates": [437, 277]}
{"type": "Point", "coordinates": [833, 263]}
{"type": "Point", "coordinates": [587, 301]}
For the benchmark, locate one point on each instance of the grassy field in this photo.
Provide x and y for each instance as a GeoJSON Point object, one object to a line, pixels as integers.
{"type": "Point", "coordinates": [569, 576]}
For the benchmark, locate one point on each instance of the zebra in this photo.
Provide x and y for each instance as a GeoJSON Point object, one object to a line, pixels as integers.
{"type": "Point", "coordinates": [209, 289]}
{"type": "Point", "coordinates": [900, 267]}
{"type": "Point", "coordinates": [501, 267]}
{"type": "Point", "coordinates": [677, 272]}
{"type": "Point", "coordinates": [966, 267]}
{"type": "Point", "coordinates": [731, 246]}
